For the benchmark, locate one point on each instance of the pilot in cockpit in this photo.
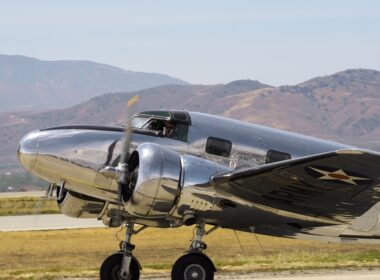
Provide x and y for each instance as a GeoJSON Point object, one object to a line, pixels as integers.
{"type": "Point", "coordinates": [169, 129]}
{"type": "Point", "coordinates": [163, 128]}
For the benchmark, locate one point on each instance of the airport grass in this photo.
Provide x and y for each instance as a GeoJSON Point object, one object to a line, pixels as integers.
{"type": "Point", "coordinates": [73, 253]}
{"type": "Point", "coordinates": [27, 206]}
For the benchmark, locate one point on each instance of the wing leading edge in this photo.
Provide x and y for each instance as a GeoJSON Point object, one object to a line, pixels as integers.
{"type": "Point", "coordinates": [340, 185]}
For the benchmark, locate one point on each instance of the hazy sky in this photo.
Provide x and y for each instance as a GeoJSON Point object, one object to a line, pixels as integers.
{"type": "Point", "coordinates": [200, 41]}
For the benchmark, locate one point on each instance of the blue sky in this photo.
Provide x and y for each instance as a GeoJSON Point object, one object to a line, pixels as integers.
{"type": "Point", "coordinates": [201, 41]}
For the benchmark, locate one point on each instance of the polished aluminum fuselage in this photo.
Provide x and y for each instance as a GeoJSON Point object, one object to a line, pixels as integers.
{"type": "Point", "coordinates": [250, 142]}
{"type": "Point", "coordinates": [76, 155]}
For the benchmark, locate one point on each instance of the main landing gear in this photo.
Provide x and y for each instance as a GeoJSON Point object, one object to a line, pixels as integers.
{"type": "Point", "coordinates": [193, 266]}
{"type": "Point", "coordinates": [122, 265]}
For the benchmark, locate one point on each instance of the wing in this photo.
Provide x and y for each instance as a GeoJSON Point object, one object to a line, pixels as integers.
{"type": "Point", "coordinates": [339, 185]}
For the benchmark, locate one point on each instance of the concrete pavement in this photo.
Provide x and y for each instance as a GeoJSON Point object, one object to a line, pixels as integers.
{"type": "Point", "coordinates": [45, 222]}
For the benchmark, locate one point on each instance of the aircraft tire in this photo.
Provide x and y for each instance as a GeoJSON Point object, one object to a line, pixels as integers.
{"type": "Point", "coordinates": [110, 269]}
{"type": "Point", "coordinates": [193, 266]}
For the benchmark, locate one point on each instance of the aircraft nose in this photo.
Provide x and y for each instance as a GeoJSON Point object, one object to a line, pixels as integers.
{"type": "Point", "coordinates": [27, 150]}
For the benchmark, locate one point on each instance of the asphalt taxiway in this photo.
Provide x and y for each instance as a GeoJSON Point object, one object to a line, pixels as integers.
{"type": "Point", "coordinates": [42, 222]}
{"type": "Point", "coordinates": [45, 222]}
{"type": "Point", "coordinates": [23, 194]}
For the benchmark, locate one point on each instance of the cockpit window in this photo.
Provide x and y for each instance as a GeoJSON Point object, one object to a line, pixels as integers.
{"type": "Point", "coordinates": [173, 125]}
{"type": "Point", "coordinates": [155, 125]}
{"type": "Point", "coordinates": [168, 129]}
{"type": "Point", "coordinates": [182, 132]}
{"type": "Point", "coordinates": [161, 127]}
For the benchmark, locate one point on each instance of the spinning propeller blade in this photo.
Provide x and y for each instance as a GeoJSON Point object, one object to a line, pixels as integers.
{"type": "Point", "coordinates": [123, 180]}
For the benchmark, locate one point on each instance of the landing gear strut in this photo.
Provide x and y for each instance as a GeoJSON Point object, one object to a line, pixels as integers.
{"type": "Point", "coordinates": [195, 265]}
{"type": "Point", "coordinates": [122, 265]}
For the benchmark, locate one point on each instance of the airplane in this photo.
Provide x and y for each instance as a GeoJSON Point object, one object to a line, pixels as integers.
{"type": "Point", "coordinates": [179, 168]}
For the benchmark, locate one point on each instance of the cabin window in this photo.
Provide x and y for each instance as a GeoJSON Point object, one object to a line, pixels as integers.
{"type": "Point", "coordinates": [274, 156]}
{"type": "Point", "coordinates": [218, 147]}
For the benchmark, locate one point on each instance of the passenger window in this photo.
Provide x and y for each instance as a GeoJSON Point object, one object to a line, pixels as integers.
{"type": "Point", "coordinates": [218, 146]}
{"type": "Point", "coordinates": [274, 156]}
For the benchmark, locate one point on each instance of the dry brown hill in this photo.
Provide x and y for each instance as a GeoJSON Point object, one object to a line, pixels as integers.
{"type": "Point", "coordinates": [111, 109]}
{"type": "Point", "coordinates": [342, 107]}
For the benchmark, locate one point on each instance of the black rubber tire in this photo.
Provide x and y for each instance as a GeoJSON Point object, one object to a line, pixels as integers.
{"type": "Point", "coordinates": [193, 266]}
{"type": "Point", "coordinates": [110, 269]}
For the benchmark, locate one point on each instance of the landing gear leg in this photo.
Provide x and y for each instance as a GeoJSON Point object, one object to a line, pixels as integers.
{"type": "Point", "coordinates": [122, 265]}
{"type": "Point", "coordinates": [195, 265]}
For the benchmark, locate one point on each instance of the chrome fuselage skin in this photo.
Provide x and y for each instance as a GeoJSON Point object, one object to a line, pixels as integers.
{"type": "Point", "coordinates": [76, 155]}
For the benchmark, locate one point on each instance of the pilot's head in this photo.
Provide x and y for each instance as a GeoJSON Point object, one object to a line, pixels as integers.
{"type": "Point", "coordinates": [169, 128]}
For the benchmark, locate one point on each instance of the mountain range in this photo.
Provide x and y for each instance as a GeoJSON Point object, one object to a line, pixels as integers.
{"type": "Point", "coordinates": [343, 107]}
{"type": "Point", "coordinates": [31, 84]}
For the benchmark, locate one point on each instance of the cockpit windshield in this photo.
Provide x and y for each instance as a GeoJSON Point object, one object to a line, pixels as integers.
{"type": "Point", "coordinates": [160, 125]}
{"type": "Point", "coordinates": [139, 121]}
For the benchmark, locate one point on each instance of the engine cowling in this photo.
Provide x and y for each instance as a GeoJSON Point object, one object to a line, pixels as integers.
{"type": "Point", "coordinates": [78, 205]}
{"type": "Point", "coordinates": [155, 181]}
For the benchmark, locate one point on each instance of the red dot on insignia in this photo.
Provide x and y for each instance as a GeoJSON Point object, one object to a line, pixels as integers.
{"type": "Point", "coordinates": [339, 176]}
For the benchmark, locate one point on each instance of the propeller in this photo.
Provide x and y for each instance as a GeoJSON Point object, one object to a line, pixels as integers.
{"type": "Point", "coordinates": [125, 175]}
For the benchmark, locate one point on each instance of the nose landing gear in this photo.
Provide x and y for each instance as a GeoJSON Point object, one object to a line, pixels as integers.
{"type": "Point", "coordinates": [195, 265]}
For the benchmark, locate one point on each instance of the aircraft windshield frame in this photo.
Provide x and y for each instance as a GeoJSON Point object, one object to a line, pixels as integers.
{"type": "Point", "coordinates": [141, 121]}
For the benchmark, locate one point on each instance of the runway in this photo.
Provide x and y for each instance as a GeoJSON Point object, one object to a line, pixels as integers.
{"type": "Point", "coordinates": [23, 194]}
{"type": "Point", "coordinates": [45, 222]}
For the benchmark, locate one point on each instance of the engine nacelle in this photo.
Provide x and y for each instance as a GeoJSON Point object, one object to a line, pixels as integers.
{"type": "Point", "coordinates": [78, 205]}
{"type": "Point", "coordinates": [157, 170]}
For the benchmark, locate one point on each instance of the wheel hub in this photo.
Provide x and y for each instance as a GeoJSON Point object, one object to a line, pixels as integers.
{"type": "Point", "coordinates": [195, 272]}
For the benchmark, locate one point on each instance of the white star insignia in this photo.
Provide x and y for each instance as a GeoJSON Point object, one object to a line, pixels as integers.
{"type": "Point", "coordinates": [339, 175]}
